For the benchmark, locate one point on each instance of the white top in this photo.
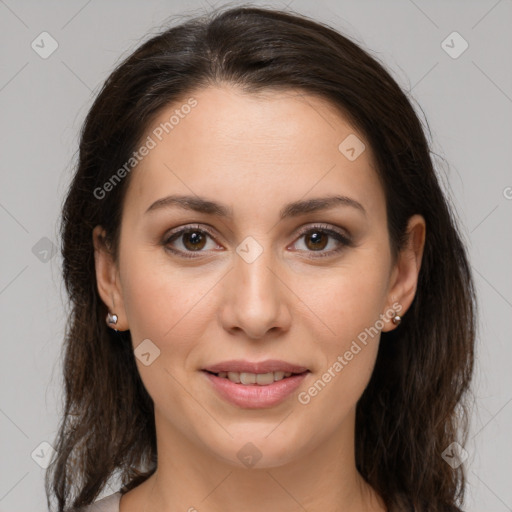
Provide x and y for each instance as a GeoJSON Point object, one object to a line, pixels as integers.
{"type": "Point", "coordinates": [107, 504]}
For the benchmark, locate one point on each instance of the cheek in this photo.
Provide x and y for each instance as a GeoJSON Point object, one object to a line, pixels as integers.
{"type": "Point", "coordinates": [163, 305]}
{"type": "Point", "coordinates": [349, 305]}
{"type": "Point", "coordinates": [351, 298]}
{"type": "Point", "coordinates": [148, 285]}
{"type": "Point", "coordinates": [167, 305]}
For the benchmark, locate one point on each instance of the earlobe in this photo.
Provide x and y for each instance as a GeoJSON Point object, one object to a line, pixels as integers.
{"type": "Point", "coordinates": [404, 279]}
{"type": "Point", "coordinates": [108, 282]}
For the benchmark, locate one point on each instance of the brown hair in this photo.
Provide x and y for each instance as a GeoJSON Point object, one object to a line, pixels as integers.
{"type": "Point", "coordinates": [416, 403]}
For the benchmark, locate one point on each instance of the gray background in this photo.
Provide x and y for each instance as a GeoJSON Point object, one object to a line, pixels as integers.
{"type": "Point", "coordinates": [466, 100]}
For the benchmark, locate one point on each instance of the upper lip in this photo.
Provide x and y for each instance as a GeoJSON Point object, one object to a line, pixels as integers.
{"type": "Point", "coordinates": [267, 366]}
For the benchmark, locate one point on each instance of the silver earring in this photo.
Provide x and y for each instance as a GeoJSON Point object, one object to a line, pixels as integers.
{"type": "Point", "coordinates": [111, 320]}
{"type": "Point", "coordinates": [396, 319]}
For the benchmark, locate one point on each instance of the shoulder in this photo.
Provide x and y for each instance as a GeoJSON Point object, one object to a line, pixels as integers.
{"type": "Point", "coordinates": [106, 504]}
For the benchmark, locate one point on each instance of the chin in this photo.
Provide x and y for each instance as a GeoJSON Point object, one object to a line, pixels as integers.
{"type": "Point", "coordinates": [256, 449]}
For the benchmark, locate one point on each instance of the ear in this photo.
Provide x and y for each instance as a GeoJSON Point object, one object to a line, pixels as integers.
{"type": "Point", "coordinates": [404, 276]}
{"type": "Point", "coordinates": [107, 278]}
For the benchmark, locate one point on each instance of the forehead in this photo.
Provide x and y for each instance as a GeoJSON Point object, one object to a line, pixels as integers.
{"type": "Point", "coordinates": [256, 148]}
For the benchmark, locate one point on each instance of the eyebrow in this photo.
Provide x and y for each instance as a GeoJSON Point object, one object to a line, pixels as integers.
{"type": "Point", "coordinates": [294, 209]}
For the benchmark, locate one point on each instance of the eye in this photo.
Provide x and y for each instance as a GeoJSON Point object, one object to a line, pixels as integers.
{"type": "Point", "coordinates": [191, 239]}
{"type": "Point", "coordinates": [316, 240]}
{"type": "Point", "coordinates": [194, 239]}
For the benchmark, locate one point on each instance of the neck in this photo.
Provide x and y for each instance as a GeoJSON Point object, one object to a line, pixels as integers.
{"type": "Point", "coordinates": [192, 478]}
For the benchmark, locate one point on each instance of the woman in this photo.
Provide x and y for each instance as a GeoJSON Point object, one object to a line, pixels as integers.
{"type": "Point", "coordinates": [268, 288]}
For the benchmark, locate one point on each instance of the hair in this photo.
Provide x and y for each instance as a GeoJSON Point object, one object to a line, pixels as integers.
{"type": "Point", "coordinates": [416, 402]}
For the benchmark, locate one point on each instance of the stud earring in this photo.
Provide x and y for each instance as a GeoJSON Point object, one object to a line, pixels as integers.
{"type": "Point", "coordinates": [111, 320]}
{"type": "Point", "coordinates": [396, 319]}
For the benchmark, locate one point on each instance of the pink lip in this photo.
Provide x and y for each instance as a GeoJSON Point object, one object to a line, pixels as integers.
{"type": "Point", "coordinates": [254, 396]}
{"type": "Point", "coordinates": [241, 365]}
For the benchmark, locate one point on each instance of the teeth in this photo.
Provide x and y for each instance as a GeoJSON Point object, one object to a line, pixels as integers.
{"type": "Point", "coordinates": [246, 378]}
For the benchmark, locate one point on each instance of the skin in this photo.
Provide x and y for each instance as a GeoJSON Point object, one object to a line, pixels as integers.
{"type": "Point", "coordinates": [255, 153]}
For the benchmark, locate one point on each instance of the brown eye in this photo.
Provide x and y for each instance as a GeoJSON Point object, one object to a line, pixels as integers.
{"type": "Point", "coordinates": [191, 239]}
{"type": "Point", "coordinates": [194, 240]}
{"type": "Point", "coordinates": [316, 240]}
{"type": "Point", "coordinates": [322, 240]}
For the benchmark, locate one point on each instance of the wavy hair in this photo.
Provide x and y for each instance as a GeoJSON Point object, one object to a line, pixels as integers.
{"type": "Point", "coordinates": [416, 403]}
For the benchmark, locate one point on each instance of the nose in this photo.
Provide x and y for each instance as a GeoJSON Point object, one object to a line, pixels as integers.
{"type": "Point", "coordinates": [256, 298]}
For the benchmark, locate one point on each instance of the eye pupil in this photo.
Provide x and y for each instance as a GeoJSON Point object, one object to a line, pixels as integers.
{"type": "Point", "coordinates": [194, 237]}
{"type": "Point", "coordinates": [317, 236]}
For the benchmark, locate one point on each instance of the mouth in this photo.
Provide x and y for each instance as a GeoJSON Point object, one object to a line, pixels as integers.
{"type": "Point", "coordinates": [255, 379]}
{"type": "Point", "coordinates": [255, 391]}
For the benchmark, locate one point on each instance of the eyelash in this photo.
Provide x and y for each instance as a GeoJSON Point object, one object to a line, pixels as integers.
{"type": "Point", "coordinates": [342, 239]}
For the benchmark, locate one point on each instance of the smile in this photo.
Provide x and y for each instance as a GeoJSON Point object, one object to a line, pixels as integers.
{"type": "Point", "coordinates": [255, 391]}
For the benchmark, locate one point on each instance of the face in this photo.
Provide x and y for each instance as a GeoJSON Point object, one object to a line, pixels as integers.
{"type": "Point", "coordinates": [197, 288]}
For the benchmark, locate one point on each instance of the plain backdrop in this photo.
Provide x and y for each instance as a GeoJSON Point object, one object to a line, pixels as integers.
{"type": "Point", "coordinates": [466, 98]}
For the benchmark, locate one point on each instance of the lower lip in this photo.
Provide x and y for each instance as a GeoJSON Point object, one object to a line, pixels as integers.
{"type": "Point", "coordinates": [254, 396]}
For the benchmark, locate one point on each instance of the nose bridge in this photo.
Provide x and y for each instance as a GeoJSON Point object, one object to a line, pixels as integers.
{"type": "Point", "coordinates": [255, 299]}
{"type": "Point", "coordinates": [253, 265]}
